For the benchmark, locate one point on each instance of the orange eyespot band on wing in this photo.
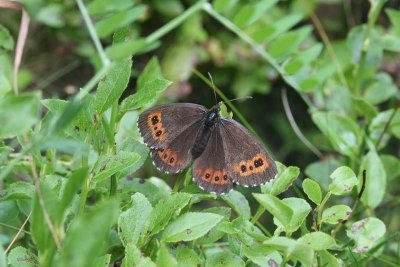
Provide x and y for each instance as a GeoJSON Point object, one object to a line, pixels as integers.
{"type": "Point", "coordinates": [154, 122]}
{"type": "Point", "coordinates": [212, 176]}
{"type": "Point", "coordinates": [257, 164]}
{"type": "Point", "coordinates": [169, 157]}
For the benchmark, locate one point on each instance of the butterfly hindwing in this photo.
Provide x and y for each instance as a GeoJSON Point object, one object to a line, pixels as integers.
{"type": "Point", "coordinates": [209, 170]}
{"type": "Point", "coordinates": [176, 156]}
{"type": "Point", "coordinates": [160, 125]}
{"type": "Point", "coordinates": [248, 162]}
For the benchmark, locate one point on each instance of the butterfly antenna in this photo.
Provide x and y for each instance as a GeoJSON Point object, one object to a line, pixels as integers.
{"type": "Point", "coordinates": [239, 98]}
{"type": "Point", "coordinates": [213, 86]}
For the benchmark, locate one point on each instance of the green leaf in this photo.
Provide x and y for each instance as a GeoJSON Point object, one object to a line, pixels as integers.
{"type": "Point", "coordinates": [363, 108]}
{"type": "Point", "coordinates": [19, 190]}
{"type": "Point", "coordinates": [150, 93]}
{"type": "Point", "coordinates": [321, 170]}
{"type": "Point", "coordinates": [366, 233]}
{"type": "Point", "coordinates": [73, 184]}
{"type": "Point", "coordinates": [343, 133]}
{"type": "Point", "coordinates": [378, 125]}
{"type": "Point", "coordinates": [261, 255]}
{"type": "Point", "coordinates": [300, 209]}
{"type": "Point", "coordinates": [110, 89]}
{"type": "Point", "coordinates": [6, 40]}
{"type": "Point", "coordinates": [250, 13]}
{"type": "Point", "coordinates": [327, 259]}
{"type": "Point", "coordinates": [18, 113]}
{"type": "Point", "coordinates": [3, 258]}
{"type": "Point", "coordinates": [52, 15]}
{"type": "Point", "coordinates": [284, 179]}
{"type": "Point", "coordinates": [312, 190]}
{"type": "Point", "coordinates": [8, 211]}
{"type": "Point", "coordinates": [343, 181]}
{"type": "Point", "coordinates": [297, 63]}
{"type": "Point", "coordinates": [164, 211]}
{"type": "Point", "coordinates": [165, 258]}
{"type": "Point", "coordinates": [293, 250]}
{"type": "Point", "coordinates": [215, 234]}
{"type": "Point", "coordinates": [130, 48]}
{"type": "Point", "coordinates": [279, 26]}
{"type": "Point", "coordinates": [190, 226]}
{"type": "Point", "coordinates": [39, 228]}
{"type": "Point", "coordinates": [153, 188]}
{"type": "Point", "coordinates": [224, 258]}
{"type": "Point", "coordinates": [103, 261]}
{"type": "Point", "coordinates": [317, 240]}
{"type": "Point", "coordinates": [117, 20]}
{"type": "Point", "coordinates": [187, 257]}
{"type": "Point", "coordinates": [375, 184]}
{"type": "Point", "coordinates": [134, 257]}
{"type": "Point", "coordinates": [288, 42]}
{"type": "Point", "coordinates": [92, 227]}
{"type": "Point", "coordinates": [276, 207]}
{"type": "Point", "coordinates": [394, 16]}
{"type": "Point", "coordinates": [21, 257]}
{"type": "Point", "coordinates": [336, 214]}
{"type": "Point", "coordinates": [391, 165]}
{"type": "Point", "coordinates": [132, 221]}
{"type": "Point", "coordinates": [238, 203]}
{"type": "Point", "coordinates": [223, 5]}
{"type": "Point", "coordinates": [151, 72]}
{"type": "Point", "coordinates": [130, 144]}
{"type": "Point", "coordinates": [98, 7]}
{"type": "Point", "coordinates": [380, 89]}
{"type": "Point", "coordinates": [108, 165]}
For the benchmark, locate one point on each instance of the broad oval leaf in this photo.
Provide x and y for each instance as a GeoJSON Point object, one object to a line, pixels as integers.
{"type": "Point", "coordinates": [276, 207]}
{"type": "Point", "coordinates": [132, 221]}
{"type": "Point", "coordinates": [318, 240]}
{"type": "Point", "coordinates": [224, 258]}
{"type": "Point", "coordinates": [336, 214]}
{"type": "Point", "coordinates": [238, 203]}
{"type": "Point", "coordinates": [190, 226]}
{"type": "Point", "coordinates": [312, 190]}
{"type": "Point", "coordinates": [18, 113]}
{"type": "Point", "coordinates": [343, 181]}
{"type": "Point", "coordinates": [366, 233]}
{"type": "Point", "coordinates": [164, 211]}
{"type": "Point", "coordinates": [343, 133]}
{"type": "Point", "coordinates": [375, 183]}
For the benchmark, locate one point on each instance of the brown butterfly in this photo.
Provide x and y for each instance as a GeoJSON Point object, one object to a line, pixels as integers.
{"type": "Point", "coordinates": [222, 151]}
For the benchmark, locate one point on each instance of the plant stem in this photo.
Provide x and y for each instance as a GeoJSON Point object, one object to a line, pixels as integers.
{"type": "Point", "coordinates": [257, 47]}
{"type": "Point", "coordinates": [93, 34]}
{"type": "Point", "coordinates": [319, 210]}
{"type": "Point", "coordinates": [174, 23]}
{"type": "Point", "coordinates": [85, 188]}
{"type": "Point", "coordinates": [372, 16]}
{"type": "Point", "coordinates": [258, 214]}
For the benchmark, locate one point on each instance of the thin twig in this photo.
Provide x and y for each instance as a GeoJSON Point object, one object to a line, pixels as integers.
{"type": "Point", "coordinates": [322, 33]}
{"type": "Point", "coordinates": [294, 126]}
{"type": "Point", "coordinates": [43, 206]}
{"type": "Point", "coordinates": [22, 34]}
{"type": "Point", "coordinates": [13, 227]}
{"type": "Point", "coordinates": [18, 233]}
{"type": "Point", "coordinates": [386, 127]}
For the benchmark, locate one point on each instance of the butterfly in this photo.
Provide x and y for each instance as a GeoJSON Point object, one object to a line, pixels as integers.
{"type": "Point", "coordinates": [222, 152]}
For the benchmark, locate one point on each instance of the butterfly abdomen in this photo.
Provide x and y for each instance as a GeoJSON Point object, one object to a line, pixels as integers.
{"type": "Point", "coordinates": [205, 132]}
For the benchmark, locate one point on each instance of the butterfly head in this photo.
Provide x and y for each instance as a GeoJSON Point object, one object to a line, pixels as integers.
{"type": "Point", "coordinates": [212, 115]}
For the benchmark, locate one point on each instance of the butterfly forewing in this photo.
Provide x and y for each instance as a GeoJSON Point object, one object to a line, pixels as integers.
{"type": "Point", "coordinates": [209, 170]}
{"type": "Point", "coordinates": [248, 162]}
{"type": "Point", "coordinates": [160, 125]}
